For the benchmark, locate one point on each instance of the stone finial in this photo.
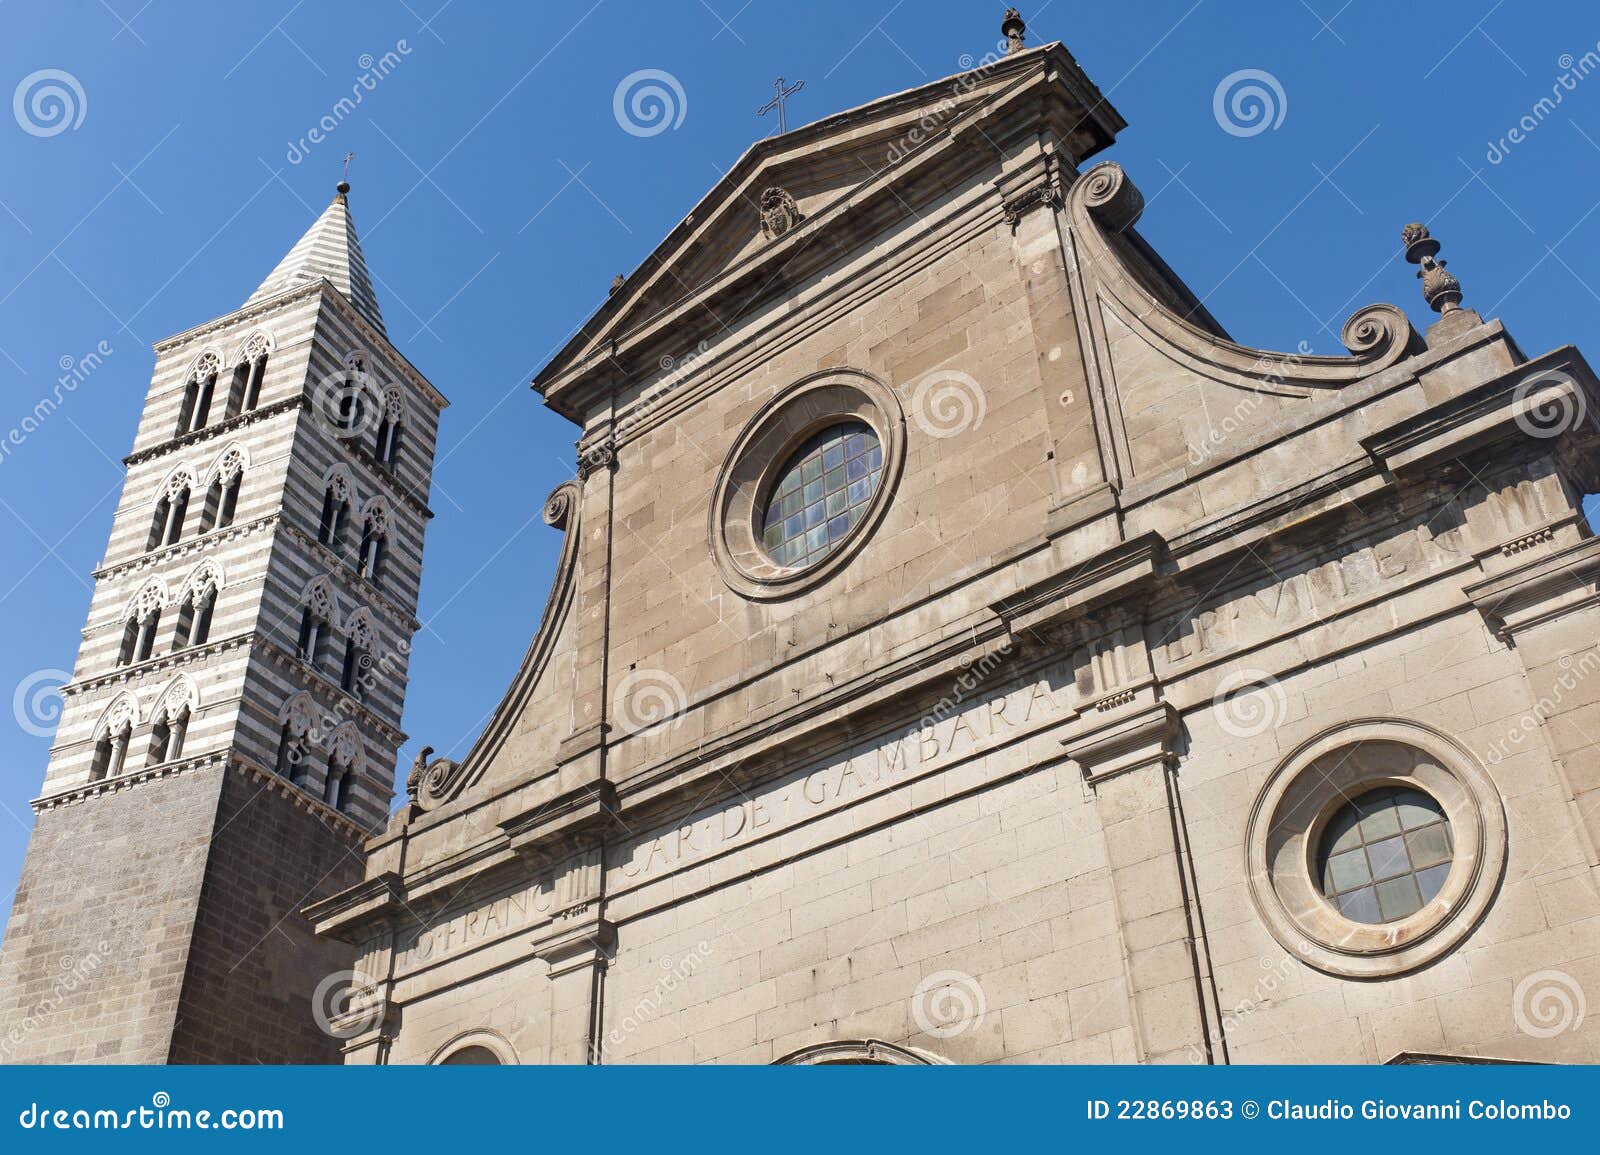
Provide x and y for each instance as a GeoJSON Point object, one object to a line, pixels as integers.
{"type": "Point", "coordinates": [1439, 287]}
{"type": "Point", "coordinates": [1013, 29]}
{"type": "Point", "coordinates": [617, 282]}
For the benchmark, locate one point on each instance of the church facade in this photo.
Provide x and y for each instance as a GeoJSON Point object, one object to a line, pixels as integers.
{"type": "Point", "coordinates": [963, 651]}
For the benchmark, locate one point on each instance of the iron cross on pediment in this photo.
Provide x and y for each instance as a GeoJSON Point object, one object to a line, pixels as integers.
{"type": "Point", "coordinates": [779, 95]}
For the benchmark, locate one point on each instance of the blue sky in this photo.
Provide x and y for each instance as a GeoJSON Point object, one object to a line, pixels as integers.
{"type": "Point", "coordinates": [497, 194]}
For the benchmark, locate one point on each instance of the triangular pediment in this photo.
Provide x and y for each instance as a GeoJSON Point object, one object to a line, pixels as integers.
{"type": "Point", "coordinates": [815, 172]}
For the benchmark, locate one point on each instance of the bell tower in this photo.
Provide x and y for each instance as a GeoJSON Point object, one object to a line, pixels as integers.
{"type": "Point", "coordinates": [229, 733]}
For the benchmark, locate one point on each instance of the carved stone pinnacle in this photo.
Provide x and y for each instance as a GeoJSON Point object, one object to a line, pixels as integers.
{"type": "Point", "coordinates": [1013, 29]}
{"type": "Point", "coordinates": [1439, 287]}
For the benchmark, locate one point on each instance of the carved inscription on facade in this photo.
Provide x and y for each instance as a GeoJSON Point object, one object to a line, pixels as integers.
{"type": "Point", "coordinates": [560, 892]}
{"type": "Point", "coordinates": [935, 743]}
{"type": "Point", "coordinates": [1313, 595]}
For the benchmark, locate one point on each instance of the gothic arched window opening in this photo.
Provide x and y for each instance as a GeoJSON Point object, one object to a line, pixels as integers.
{"type": "Point", "coordinates": [255, 365]}
{"type": "Point", "coordinates": [198, 394]}
{"type": "Point", "coordinates": [110, 752]}
{"type": "Point", "coordinates": [166, 736]}
{"type": "Point", "coordinates": [166, 527]}
{"type": "Point", "coordinates": [335, 512]}
{"type": "Point", "coordinates": [145, 637]}
{"type": "Point", "coordinates": [313, 631]}
{"type": "Point", "coordinates": [111, 747]}
{"type": "Point", "coordinates": [386, 448]}
{"type": "Point", "coordinates": [194, 618]}
{"type": "Point", "coordinates": [374, 550]}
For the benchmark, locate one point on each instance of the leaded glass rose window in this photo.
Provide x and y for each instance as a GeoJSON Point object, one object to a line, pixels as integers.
{"type": "Point", "coordinates": [1385, 855]}
{"type": "Point", "coordinates": [821, 494]}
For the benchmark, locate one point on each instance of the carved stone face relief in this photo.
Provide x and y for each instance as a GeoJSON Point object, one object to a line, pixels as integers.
{"type": "Point", "coordinates": [779, 213]}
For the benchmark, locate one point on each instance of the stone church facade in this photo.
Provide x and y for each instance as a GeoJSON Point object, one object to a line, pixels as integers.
{"type": "Point", "coordinates": [228, 733]}
{"type": "Point", "coordinates": [962, 650]}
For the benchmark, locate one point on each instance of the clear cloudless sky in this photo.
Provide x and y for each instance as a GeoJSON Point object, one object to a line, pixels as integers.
{"type": "Point", "coordinates": [496, 195]}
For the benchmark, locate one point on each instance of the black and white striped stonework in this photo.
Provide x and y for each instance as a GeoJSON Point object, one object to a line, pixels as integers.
{"type": "Point", "coordinates": [312, 318]}
{"type": "Point", "coordinates": [328, 250]}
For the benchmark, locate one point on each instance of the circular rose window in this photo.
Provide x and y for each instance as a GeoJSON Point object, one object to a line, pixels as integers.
{"type": "Point", "coordinates": [822, 493]}
{"type": "Point", "coordinates": [806, 482]}
{"type": "Point", "coordinates": [1375, 847]}
{"type": "Point", "coordinates": [1386, 855]}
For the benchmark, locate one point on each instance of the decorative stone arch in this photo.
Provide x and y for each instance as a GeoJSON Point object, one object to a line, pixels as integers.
{"type": "Point", "coordinates": [180, 477]}
{"type": "Point", "coordinates": [1306, 792]}
{"type": "Point", "coordinates": [122, 710]}
{"type": "Point", "coordinates": [322, 600]}
{"type": "Point", "coordinates": [234, 459]}
{"type": "Point", "coordinates": [361, 630]}
{"type": "Point", "coordinates": [152, 595]}
{"type": "Point", "coordinates": [299, 714]}
{"type": "Point", "coordinates": [259, 343]}
{"type": "Point", "coordinates": [394, 404]}
{"type": "Point", "coordinates": [180, 694]}
{"type": "Point", "coordinates": [207, 362]}
{"type": "Point", "coordinates": [481, 1047]}
{"type": "Point", "coordinates": [208, 572]}
{"type": "Point", "coordinates": [862, 1052]}
{"type": "Point", "coordinates": [346, 747]}
{"type": "Point", "coordinates": [378, 514]}
{"type": "Point", "coordinates": [339, 478]}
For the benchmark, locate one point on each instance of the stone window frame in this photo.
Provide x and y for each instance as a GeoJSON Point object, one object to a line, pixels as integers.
{"type": "Point", "coordinates": [764, 447]}
{"type": "Point", "coordinates": [491, 1041]}
{"type": "Point", "coordinates": [859, 1052]}
{"type": "Point", "coordinates": [1310, 786]}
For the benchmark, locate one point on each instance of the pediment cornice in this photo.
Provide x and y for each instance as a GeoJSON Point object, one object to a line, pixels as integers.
{"type": "Point", "coordinates": [854, 174]}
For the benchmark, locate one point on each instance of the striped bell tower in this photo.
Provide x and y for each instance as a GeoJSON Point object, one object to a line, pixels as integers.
{"type": "Point", "coordinates": [230, 730]}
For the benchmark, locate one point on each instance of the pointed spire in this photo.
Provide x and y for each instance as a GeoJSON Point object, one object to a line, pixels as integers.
{"type": "Point", "coordinates": [328, 249]}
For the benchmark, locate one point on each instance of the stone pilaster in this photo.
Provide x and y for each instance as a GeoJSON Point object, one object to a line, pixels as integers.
{"type": "Point", "coordinates": [1129, 764]}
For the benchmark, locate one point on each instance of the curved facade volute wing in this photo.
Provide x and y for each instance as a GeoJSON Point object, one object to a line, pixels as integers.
{"type": "Point", "coordinates": [433, 783]}
{"type": "Point", "coordinates": [1105, 204]}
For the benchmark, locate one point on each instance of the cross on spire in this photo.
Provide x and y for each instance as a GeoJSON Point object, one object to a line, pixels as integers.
{"type": "Point", "coordinates": [779, 95]}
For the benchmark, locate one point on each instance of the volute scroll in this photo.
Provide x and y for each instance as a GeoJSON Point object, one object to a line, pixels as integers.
{"type": "Point", "coordinates": [1104, 202]}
